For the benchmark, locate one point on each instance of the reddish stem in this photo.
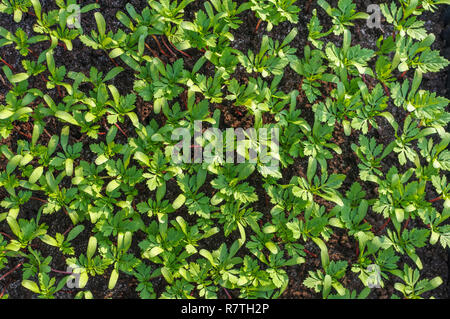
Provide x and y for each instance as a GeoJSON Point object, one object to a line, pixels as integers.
{"type": "Point", "coordinates": [47, 133]}
{"type": "Point", "coordinates": [6, 235]}
{"type": "Point", "coordinates": [9, 65]}
{"type": "Point", "coordinates": [59, 91]}
{"type": "Point", "coordinates": [11, 271]}
{"type": "Point", "coordinates": [386, 90]}
{"type": "Point", "coordinates": [39, 199]}
{"type": "Point", "coordinates": [33, 53]}
{"type": "Point", "coordinates": [61, 272]}
{"type": "Point", "coordinates": [62, 45]}
{"type": "Point", "coordinates": [155, 54]}
{"type": "Point", "coordinates": [24, 134]}
{"type": "Point", "coordinates": [435, 199]}
{"type": "Point", "coordinates": [364, 79]}
{"type": "Point", "coordinates": [406, 224]}
{"type": "Point", "coordinates": [309, 253]}
{"type": "Point", "coordinates": [182, 52]}
{"type": "Point", "coordinates": [257, 25]}
{"type": "Point", "coordinates": [384, 226]}
{"type": "Point", "coordinates": [159, 47]}
{"type": "Point", "coordinates": [120, 129]}
{"type": "Point", "coordinates": [67, 230]}
{"type": "Point", "coordinates": [113, 61]}
{"type": "Point", "coordinates": [167, 47]}
{"type": "Point", "coordinates": [228, 294]}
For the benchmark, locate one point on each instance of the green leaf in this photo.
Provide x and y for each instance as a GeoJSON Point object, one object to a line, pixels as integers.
{"type": "Point", "coordinates": [84, 277]}
{"type": "Point", "coordinates": [37, 173]}
{"type": "Point", "coordinates": [160, 192]}
{"type": "Point", "coordinates": [116, 53]}
{"type": "Point", "coordinates": [4, 114]}
{"type": "Point", "coordinates": [66, 117]}
{"type": "Point", "coordinates": [37, 7]}
{"type": "Point", "coordinates": [179, 201]}
{"type": "Point", "coordinates": [167, 274]}
{"type": "Point", "coordinates": [112, 185]}
{"type": "Point", "coordinates": [435, 282]}
{"type": "Point", "coordinates": [75, 232]}
{"type": "Point", "coordinates": [326, 286]}
{"type": "Point", "coordinates": [31, 285]}
{"type": "Point", "coordinates": [69, 166]}
{"type": "Point", "coordinates": [155, 251]}
{"type": "Point", "coordinates": [113, 73]}
{"type": "Point", "coordinates": [12, 164]}
{"type": "Point", "coordinates": [323, 252]}
{"type": "Point", "coordinates": [312, 167]}
{"type": "Point", "coordinates": [92, 247]}
{"type": "Point", "coordinates": [13, 246]}
{"type": "Point", "coordinates": [49, 240]}
{"type": "Point", "coordinates": [101, 24]}
{"type": "Point", "coordinates": [271, 247]}
{"type": "Point", "coordinates": [142, 158]}
{"type": "Point", "coordinates": [113, 279]}
{"type": "Point", "coordinates": [208, 256]}
{"type": "Point", "coordinates": [19, 77]}
{"type": "Point", "coordinates": [65, 131]}
{"type": "Point", "coordinates": [269, 229]}
{"type": "Point", "coordinates": [14, 226]}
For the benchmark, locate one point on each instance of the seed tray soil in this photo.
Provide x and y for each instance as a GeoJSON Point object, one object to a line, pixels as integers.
{"type": "Point", "coordinates": [341, 246]}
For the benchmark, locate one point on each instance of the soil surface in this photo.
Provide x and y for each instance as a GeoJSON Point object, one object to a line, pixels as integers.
{"type": "Point", "coordinates": [341, 246]}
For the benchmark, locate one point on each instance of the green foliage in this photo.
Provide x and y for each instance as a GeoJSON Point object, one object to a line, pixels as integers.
{"type": "Point", "coordinates": [275, 11]}
{"type": "Point", "coordinates": [15, 7]}
{"type": "Point", "coordinates": [342, 15]}
{"type": "Point", "coordinates": [359, 138]}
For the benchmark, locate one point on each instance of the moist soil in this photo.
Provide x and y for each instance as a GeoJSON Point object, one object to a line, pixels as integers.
{"type": "Point", "coordinates": [340, 245]}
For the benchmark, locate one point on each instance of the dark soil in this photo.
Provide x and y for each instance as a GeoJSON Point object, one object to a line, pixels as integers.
{"type": "Point", "coordinates": [81, 58]}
